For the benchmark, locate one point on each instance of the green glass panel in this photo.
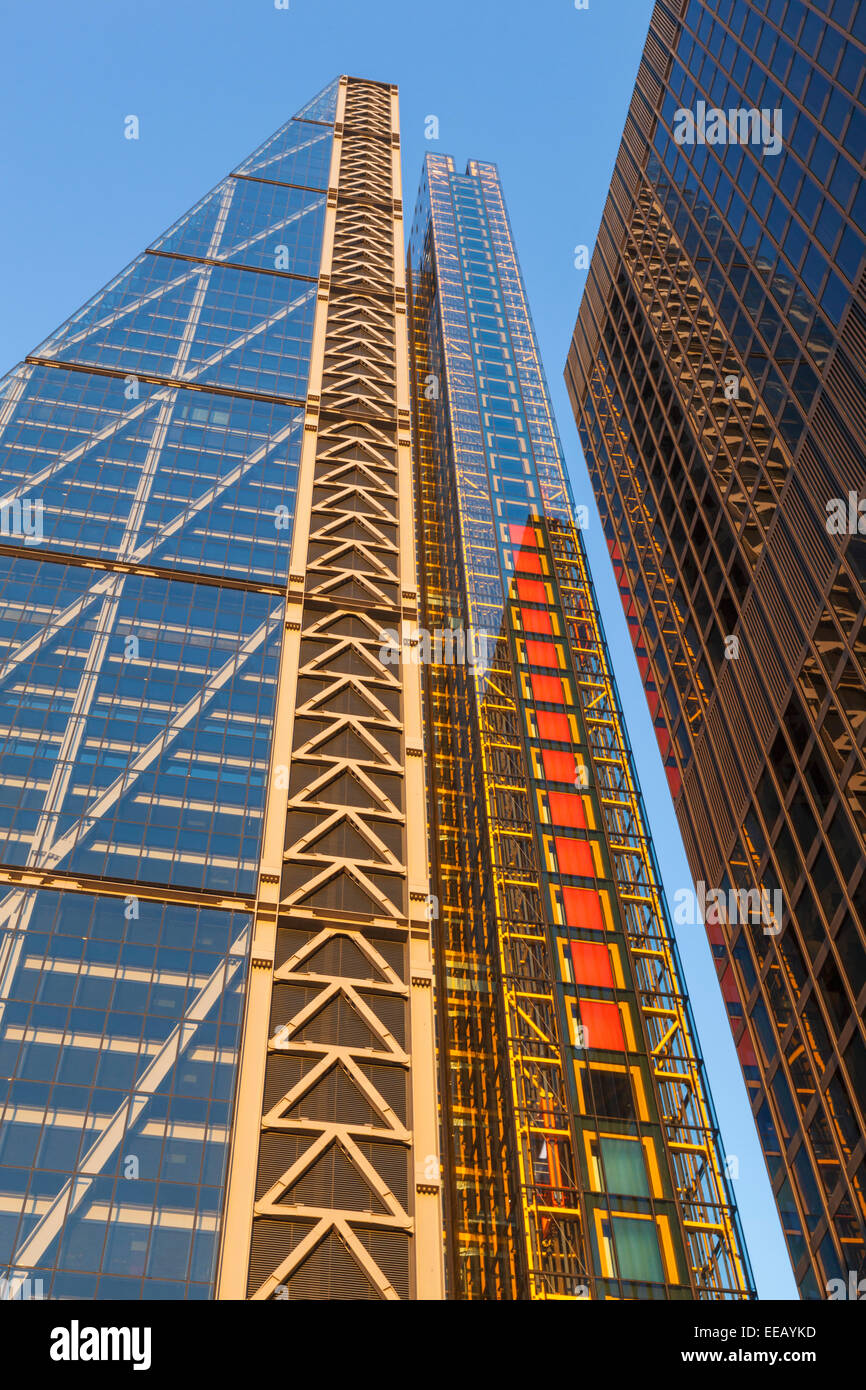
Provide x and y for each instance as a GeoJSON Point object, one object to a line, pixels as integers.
{"type": "Point", "coordinates": [637, 1250]}
{"type": "Point", "coordinates": [624, 1167]}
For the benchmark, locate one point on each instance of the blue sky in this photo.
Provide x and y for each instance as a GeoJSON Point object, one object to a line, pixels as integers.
{"type": "Point", "coordinates": [537, 86]}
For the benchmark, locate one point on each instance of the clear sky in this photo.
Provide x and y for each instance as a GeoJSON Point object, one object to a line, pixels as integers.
{"type": "Point", "coordinates": [537, 86]}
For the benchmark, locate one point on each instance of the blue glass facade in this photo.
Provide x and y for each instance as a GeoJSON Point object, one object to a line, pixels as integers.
{"type": "Point", "coordinates": [149, 454]}
{"type": "Point", "coordinates": [120, 1028]}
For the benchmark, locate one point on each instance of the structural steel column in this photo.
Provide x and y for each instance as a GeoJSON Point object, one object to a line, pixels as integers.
{"type": "Point", "coordinates": [334, 1180]}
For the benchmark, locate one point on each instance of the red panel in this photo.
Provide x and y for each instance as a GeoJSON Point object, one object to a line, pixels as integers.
{"type": "Point", "coordinates": [554, 726]}
{"type": "Point", "coordinates": [566, 808]}
{"type": "Point", "coordinates": [591, 961]}
{"type": "Point", "coordinates": [582, 908]}
{"type": "Point", "coordinates": [531, 591]}
{"type": "Point", "coordinates": [574, 857]}
{"type": "Point", "coordinates": [541, 653]}
{"type": "Point", "coordinates": [527, 561]}
{"type": "Point", "coordinates": [558, 766]}
{"type": "Point", "coordinates": [522, 535]}
{"type": "Point", "coordinates": [675, 781]}
{"type": "Point", "coordinates": [549, 689]}
{"type": "Point", "coordinates": [603, 1025]}
{"type": "Point", "coordinates": [534, 620]}
{"type": "Point", "coordinates": [714, 932]}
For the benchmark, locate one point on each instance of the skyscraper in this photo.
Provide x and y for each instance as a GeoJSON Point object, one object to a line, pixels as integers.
{"type": "Point", "coordinates": [580, 1150]}
{"type": "Point", "coordinates": [718, 377]}
{"type": "Point", "coordinates": [212, 788]}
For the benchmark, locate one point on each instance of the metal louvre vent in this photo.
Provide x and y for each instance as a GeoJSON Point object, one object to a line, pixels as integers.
{"type": "Point", "coordinates": [842, 382]}
{"type": "Point", "coordinates": [846, 458]}
{"type": "Point", "coordinates": [277, 1153]}
{"type": "Point", "coordinates": [664, 23]}
{"type": "Point", "coordinates": [657, 57]}
{"type": "Point", "coordinates": [648, 80]}
{"type": "Point", "coordinates": [329, 1272]}
{"type": "Point", "coordinates": [333, 1181]}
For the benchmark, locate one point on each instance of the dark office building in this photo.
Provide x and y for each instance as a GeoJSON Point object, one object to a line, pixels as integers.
{"type": "Point", "coordinates": [718, 377]}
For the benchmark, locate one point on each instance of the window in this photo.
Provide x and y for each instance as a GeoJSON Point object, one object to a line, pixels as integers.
{"type": "Point", "coordinates": [624, 1167]}
{"type": "Point", "coordinates": [637, 1249]}
{"type": "Point", "coordinates": [855, 1062]}
{"type": "Point", "coordinates": [610, 1092]}
{"type": "Point", "coordinates": [527, 562]}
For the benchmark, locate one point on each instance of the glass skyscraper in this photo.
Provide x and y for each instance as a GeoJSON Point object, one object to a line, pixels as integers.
{"type": "Point", "coordinates": [580, 1151]}
{"type": "Point", "coordinates": [150, 456]}
{"type": "Point", "coordinates": [718, 377]}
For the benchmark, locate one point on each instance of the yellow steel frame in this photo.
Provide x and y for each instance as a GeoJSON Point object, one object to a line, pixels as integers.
{"type": "Point", "coordinates": [711, 1238]}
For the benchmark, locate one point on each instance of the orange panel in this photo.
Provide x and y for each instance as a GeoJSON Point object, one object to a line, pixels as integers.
{"type": "Point", "coordinates": [541, 653]}
{"type": "Point", "coordinates": [566, 808]}
{"type": "Point", "coordinates": [582, 908]}
{"type": "Point", "coordinates": [602, 1024]}
{"type": "Point", "coordinates": [558, 766]}
{"type": "Point", "coordinates": [522, 535]}
{"type": "Point", "coordinates": [549, 689]}
{"type": "Point", "coordinates": [534, 620]}
{"type": "Point", "coordinates": [591, 961]}
{"type": "Point", "coordinates": [574, 857]}
{"type": "Point", "coordinates": [531, 591]}
{"type": "Point", "coordinates": [553, 726]}
{"type": "Point", "coordinates": [527, 561]}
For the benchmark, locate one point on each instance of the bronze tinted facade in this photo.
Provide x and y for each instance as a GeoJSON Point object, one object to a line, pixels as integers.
{"type": "Point", "coordinates": [718, 377]}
